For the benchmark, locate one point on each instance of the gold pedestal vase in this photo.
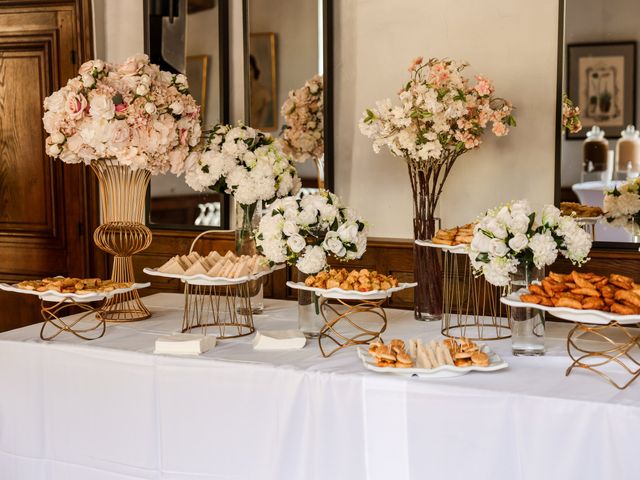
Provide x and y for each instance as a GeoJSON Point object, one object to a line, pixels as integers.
{"type": "Point", "coordinates": [122, 233]}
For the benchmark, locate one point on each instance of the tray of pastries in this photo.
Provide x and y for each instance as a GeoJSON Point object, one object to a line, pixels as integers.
{"type": "Point", "coordinates": [583, 297]}
{"type": "Point", "coordinates": [214, 269]}
{"type": "Point", "coordinates": [351, 285]}
{"type": "Point", "coordinates": [581, 212]}
{"type": "Point", "coordinates": [449, 357]}
{"type": "Point", "coordinates": [77, 289]}
{"type": "Point", "coordinates": [455, 240]}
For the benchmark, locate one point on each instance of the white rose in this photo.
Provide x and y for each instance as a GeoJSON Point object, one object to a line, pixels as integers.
{"type": "Point", "coordinates": [142, 89]}
{"type": "Point", "coordinates": [519, 223]}
{"type": "Point", "coordinates": [296, 243]}
{"type": "Point", "coordinates": [57, 137]}
{"type": "Point", "coordinates": [333, 244]}
{"type": "Point", "coordinates": [150, 108]}
{"type": "Point", "coordinates": [53, 149]}
{"type": "Point", "coordinates": [55, 102]}
{"type": "Point", "coordinates": [98, 65]}
{"type": "Point", "coordinates": [498, 248]}
{"type": "Point", "coordinates": [145, 79]}
{"type": "Point", "coordinates": [493, 226]}
{"type": "Point", "coordinates": [480, 242]}
{"type": "Point", "coordinates": [348, 232]}
{"type": "Point", "coordinates": [88, 80]}
{"type": "Point", "coordinates": [180, 78]}
{"type": "Point", "coordinates": [290, 228]}
{"type": "Point", "coordinates": [550, 215]}
{"type": "Point", "coordinates": [519, 242]}
{"type": "Point", "coordinates": [101, 106]}
{"type": "Point", "coordinates": [177, 107]}
{"type": "Point", "coordinates": [308, 216]}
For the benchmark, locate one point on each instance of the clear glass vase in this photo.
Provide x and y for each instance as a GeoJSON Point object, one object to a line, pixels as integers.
{"type": "Point", "coordinates": [310, 320]}
{"type": "Point", "coordinates": [247, 221]}
{"type": "Point", "coordinates": [527, 324]}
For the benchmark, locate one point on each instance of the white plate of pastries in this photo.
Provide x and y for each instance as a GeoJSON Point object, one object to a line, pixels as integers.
{"type": "Point", "coordinates": [81, 290]}
{"type": "Point", "coordinates": [351, 285]}
{"type": "Point", "coordinates": [214, 269]}
{"type": "Point", "coordinates": [441, 358]}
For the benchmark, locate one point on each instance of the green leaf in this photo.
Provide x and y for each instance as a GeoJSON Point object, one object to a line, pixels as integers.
{"type": "Point", "coordinates": [511, 121]}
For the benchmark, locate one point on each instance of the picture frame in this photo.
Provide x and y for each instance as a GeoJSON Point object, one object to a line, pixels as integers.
{"type": "Point", "coordinates": [263, 86]}
{"type": "Point", "coordinates": [601, 81]}
{"type": "Point", "coordinates": [197, 69]}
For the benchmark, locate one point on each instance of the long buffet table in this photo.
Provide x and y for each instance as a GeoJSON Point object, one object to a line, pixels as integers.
{"type": "Point", "coordinates": [110, 409]}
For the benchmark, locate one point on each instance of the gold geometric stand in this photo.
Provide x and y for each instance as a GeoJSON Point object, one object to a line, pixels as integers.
{"type": "Point", "coordinates": [52, 318]}
{"type": "Point", "coordinates": [350, 324]}
{"type": "Point", "coordinates": [471, 305]}
{"type": "Point", "coordinates": [619, 354]}
{"type": "Point", "coordinates": [226, 308]}
{"type": "Point", "coordinates": [123, 233]}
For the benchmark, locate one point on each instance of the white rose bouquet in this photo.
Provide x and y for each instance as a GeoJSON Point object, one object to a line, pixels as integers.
{"type": "Point", "coordinates": [243, 162]}
{"type": "Point", "coordinates": [304, 231]}
{"type": "Point", "coordinates": [622, 206]}
{"type": "Point", "coordinates": [303, 134]}
{"type": "Point", "coordinates": [133, 113]}
{"type": "Point", "coordinates": [515, 235]}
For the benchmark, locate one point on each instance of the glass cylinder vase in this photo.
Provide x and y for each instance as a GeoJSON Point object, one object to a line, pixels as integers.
{"type": "Point", "coordinates": [527, 324]}
{"type": "Point", "coordinates": [247, 221]}
{"type": "Point", "coordinates": [310, 320]}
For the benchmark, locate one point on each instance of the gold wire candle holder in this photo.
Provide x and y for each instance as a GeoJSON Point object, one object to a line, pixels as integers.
{"type": "Point", "coordinates": [122, 233]}
{"type": "Point", "coordinates": [472, 307]}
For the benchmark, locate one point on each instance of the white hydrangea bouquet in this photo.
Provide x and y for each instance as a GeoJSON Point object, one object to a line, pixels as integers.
{"type": "Point", "coordinates": [622, 206]}
{"type": "Point", "coordinates": [133, 113]}
{"type": "Point", "coordinates": [515, 234]}
{"type": "Point", "coordinates": [303, 231]}
{"type": "Point", "coordinates": [303, 134]}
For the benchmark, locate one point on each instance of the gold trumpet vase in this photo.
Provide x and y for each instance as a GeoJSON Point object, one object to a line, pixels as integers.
{"type": "Point", "coordinates": [122, 233]}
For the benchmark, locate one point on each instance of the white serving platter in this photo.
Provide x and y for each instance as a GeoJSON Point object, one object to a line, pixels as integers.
{"type": "Point", "coordinates": [443, 371]}
{"type": "Point", "coordinates": [53, 296]}
{"type": "Point", "coordinates": [339, 293]}
{"type": "Point", "coordinates": [459, 249]}
{"type": "Point", "coordinates": [594, 317]}
{"type": "Point", "coordinates": [206, 280]}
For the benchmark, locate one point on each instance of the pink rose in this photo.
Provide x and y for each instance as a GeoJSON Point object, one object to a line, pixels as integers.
{"type": "Point", "coordinates": [86, 67]}
{"type": "Point", "coordinates": [121, 108]}
{"type": "Point", "coordinates": [75, 105]}
{"type": "Point", "coordinates": [132, 65]}
{"type": "Point", "coordinates": [120, 134]}
{"type": "Point", "coordinates": [499, 129]}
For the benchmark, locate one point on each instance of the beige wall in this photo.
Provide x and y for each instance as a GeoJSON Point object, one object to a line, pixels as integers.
{"type": "Point", "coordinates": [513, 42]}
{"type": "Point", "coordinates": [118, 29]}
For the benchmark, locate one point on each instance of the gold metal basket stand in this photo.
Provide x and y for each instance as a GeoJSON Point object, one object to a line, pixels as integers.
{"type": "Point", "coordinates": [472, 307]}
{"type": "Point", "coordinates": [622, 355]}
{"type": "Point", "coordinates": [223, 307]}
{"type": "Point", "coordinates": [54, 314]}
{"type": "Point", "coordinates": [122, 233]}
{"type": "Point", "coordinates": [350, 322]}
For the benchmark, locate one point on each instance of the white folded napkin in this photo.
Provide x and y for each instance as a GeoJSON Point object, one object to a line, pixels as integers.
{"type": "Point", "coordinates": [279, 340]}
{"type": "Point", "coordinates": [184, 344]}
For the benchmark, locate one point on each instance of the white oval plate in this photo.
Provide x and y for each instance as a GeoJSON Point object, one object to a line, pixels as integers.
{"type": "Point", "coordinates": [339, 293]}
{"type": "Point", "coordinates": [594, 317]}
{"type": "Point", "coordinates": [459, 249]}
{"type": "Point", "coordinates": [443, 371]}
{"type": "Point", "coordinates": [205, 280]}
{"type": "Point", "coordinates": [51, 296]}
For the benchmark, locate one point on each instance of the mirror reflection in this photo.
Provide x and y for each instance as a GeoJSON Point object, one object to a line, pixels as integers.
{"type": "Point", "coordinates": [600, 63]}
{"type": "Point", "coordinates": [285, 79]}
{"type": "Point", "coordinates": [172, 201]}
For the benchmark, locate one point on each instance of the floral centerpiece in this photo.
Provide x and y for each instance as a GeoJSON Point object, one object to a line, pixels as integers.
{"type": "Point", "coordinates": [303, 232]}
{"type": "Point", "coordinates": [133, 113]}
{"type": "Point", "coordinates": [514, 236]}
{"type": "Point", "coordinates": [247, 164]}
{"type": "Point", "coordinates": [303, 133]}
{"type": "Point", "coordinates": [622, 206]}
{"type": "Point", "coordinates": [440, 116]}
{"type": "Point", "coordinates": [570, 115]}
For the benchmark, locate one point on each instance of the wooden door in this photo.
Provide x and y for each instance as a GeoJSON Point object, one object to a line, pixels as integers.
{"type": "Point", "coordinates": [43, 220]}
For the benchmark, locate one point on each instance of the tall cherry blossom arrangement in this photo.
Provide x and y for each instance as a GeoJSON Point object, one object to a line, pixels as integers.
{"type": "Point", "coordinates": [133, 113]}
{"type": "Point", "coordinates": [440, 116]}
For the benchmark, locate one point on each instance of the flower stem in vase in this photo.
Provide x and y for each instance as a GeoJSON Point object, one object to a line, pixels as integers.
{"type": "Point", "coordinates": [319, 163]}
{"type": "Point", "coordinates": [247, 220]}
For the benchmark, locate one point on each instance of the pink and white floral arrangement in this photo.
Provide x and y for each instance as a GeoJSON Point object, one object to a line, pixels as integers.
{"type": "Point", "coordinates": [515, 234]}
{"type": "Point", "coordinates": [133, 113]}
{"type": "Point", "coordinates": [303, 232]}
{"type": "Point", "coordinates": [303, 134]}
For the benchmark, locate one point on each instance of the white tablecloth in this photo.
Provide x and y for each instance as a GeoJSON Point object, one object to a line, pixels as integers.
{"type": "Point", "coordinates": [111, 410]}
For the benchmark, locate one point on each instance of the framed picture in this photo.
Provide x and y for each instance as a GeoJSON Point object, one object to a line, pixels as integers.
{"type": "Point", "coordinates": [197, 75]}
{"type": "Point", "coordinates": [263, 89]}
{"type": "Point", "coordinates": [602, 82]}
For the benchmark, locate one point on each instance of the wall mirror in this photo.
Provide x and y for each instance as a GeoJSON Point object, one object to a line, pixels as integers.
{"type": "Point", "coordinates": [191, 37]}
{"type": "Point", "coordinates": [598, 64]}
{"type": "Point", "coordinates": [287, 43]}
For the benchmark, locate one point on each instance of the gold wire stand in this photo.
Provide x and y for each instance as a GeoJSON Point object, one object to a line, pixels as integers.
{"type": "Point", "coordinates": [341, 325]}
{"type": "Point", "coordinates": [123, 233]}
{"type": "Point", "coordinates": [226, 308]}
{"type": "Point", "coordinates": [618, 354]}
{"type": "Point", "coordinates": [472, 307]}
{"type": "Point", "coordinates": [53, 317]}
